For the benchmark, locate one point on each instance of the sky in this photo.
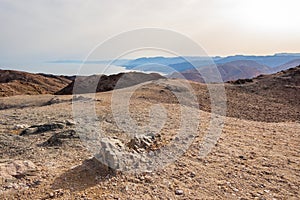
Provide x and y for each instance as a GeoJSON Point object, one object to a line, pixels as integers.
{"type": "Point", "coordinates": [36, 31]}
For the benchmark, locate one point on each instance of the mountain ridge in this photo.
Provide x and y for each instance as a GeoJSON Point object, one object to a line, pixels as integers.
{"type": "Point", "coordinates": [82, 85]}
{"type": "Point", "coordinates": [228, 71]}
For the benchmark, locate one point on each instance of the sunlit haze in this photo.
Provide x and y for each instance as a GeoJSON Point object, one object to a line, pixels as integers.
{"type": "Point", "coordinates": [34, 32]}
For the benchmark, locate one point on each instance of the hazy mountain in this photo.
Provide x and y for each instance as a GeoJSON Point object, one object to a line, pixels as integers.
{"type": "Point", "coordinates": [167, 65]}
{"type": "Point", "coordinates": [272, 61]}
{"type": "Point", "coordinates": [229, 71]}
{"type": "Point", "coordinates": [287, 65]}
{"type": "Point", "coordinates": [178, 64]}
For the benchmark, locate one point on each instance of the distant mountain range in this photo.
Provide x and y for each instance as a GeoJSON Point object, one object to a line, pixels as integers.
{"type": "Point", "coordinates": [230, 67]}
{"type": "Point", "coordinates": [285, 66]}
{"type": "Point", "coordinates": [184, 63]}
{"type": "Point", "coordinates": [237, 66]}
{"type": "Point", "coordinates": [234, 70]}
{"type": "Point", "coordinates": [271, 61]}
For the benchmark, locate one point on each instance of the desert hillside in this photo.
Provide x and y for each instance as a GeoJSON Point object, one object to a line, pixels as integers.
{"type": "Point", "coordinates": [256, 157]}
{"type": "Point", "coordinates": [107, 83]}
{"type": "Point", "coordinates": [23, 83]}
{"type": "Point", "coordinates": [149, 100]}
{"type": "Point", "coordinates": [267, 98]}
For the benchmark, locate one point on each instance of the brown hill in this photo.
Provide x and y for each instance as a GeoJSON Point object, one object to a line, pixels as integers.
{"type": "Point", "coordinates": [229, 71]}
{"type": "Point", "coordinates": [20, 83]}
{"type": "Point", "coordinates": [270, 98]}
{"type": "Point", "coordinates": [107, 83]}
{"type": "Point", "coordinates": [267, 98]}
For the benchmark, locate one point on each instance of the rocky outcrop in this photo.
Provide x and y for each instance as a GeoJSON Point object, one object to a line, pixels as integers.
{"type": "Point", "coordinates": [117, 155]}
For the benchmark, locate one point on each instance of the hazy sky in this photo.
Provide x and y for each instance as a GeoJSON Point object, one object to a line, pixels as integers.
{"type": "Point", "coordinates": [41, 30]}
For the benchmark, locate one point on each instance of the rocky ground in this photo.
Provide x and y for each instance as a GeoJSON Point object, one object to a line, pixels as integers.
{"type": "Point", "coordinates": [42, 156]}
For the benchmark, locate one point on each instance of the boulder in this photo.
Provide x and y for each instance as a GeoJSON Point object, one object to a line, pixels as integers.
{"type": "Point", "coordinates": [118, 155]}
{"type": "Point", "coordinates": [110, 151]}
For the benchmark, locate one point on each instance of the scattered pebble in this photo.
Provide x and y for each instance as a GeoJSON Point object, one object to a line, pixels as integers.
{"type": "Point", "coordinates": [242, 157]}
{"type": "Point", "coordinates": [179, 192]}
{"type": "Point", "coordinates": [192, 174]}
{"type": "Point", "coordinates": [51, 195]}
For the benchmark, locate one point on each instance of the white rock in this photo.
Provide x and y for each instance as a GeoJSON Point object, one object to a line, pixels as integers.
{"type": "Point", "coordinates": [20, 126]}
{"type": "Point", "coordinates": [179, 192]}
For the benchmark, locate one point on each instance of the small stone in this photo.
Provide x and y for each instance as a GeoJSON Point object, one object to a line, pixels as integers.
{"type": "Point", "coordinates": [20, 126]}
{"type": "Point", "coordinates": [70, 122]}
{"type": "Point", "coordinates": [148, 179]}
{"type": "Point", "coordinates": [179, 192]}
{"type": "Point", "coordinates": [242, 157]}
{"type": "Point", "coordinates": [15, 186]}
{"type": "Point", "coordinates": [262, 185]}
{"type": "Point", "coordinates": [51, 195]}
{"type": "Point", "coordinates": [192, 174]}
{"type": "Point", "coordinates": [36, 183]}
